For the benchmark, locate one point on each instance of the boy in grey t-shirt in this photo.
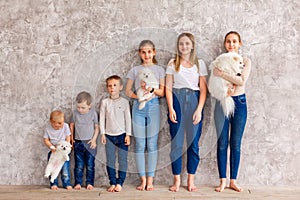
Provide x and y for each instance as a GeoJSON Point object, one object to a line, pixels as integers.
{"type": "Point", "coordinates": [85, 129]}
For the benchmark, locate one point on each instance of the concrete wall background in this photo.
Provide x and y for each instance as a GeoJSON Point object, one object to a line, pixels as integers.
{"type": "Point", "coordinates": [51, 49]}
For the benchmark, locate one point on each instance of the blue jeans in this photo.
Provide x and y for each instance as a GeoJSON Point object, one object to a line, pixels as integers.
{"type": "Point", "coordinates": [64, 173]}
{"type": "Point", "coordinates": [146, 124]}
{"type": "Point", "coordinates": [84, 157]}
{"type": "Point", "coordinates": [185, 102]}
{"type": "Point", "coordinates": [236, 124]}
{"type": "Point", "coordinates": [114, 143]}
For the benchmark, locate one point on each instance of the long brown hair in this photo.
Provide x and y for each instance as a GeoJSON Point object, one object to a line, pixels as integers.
{"type": "Point", "coordinates": [193, 56]}
{"type": "Point", "coordinates": [150, 43]}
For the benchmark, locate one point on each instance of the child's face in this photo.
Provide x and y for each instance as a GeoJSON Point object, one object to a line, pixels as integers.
{"type": "Point", "coordinates": [232, 43]}
{"type": "Point", "coordinates": [114, 87]}
{"type": "Point", "coordinates": [185, 45]}
{"type": "Point", "coordinates": [83, 107]}
{"type": "Point", "coordinates": [147, 53]}
{"type": "Point", "coordinates": [57, 123]}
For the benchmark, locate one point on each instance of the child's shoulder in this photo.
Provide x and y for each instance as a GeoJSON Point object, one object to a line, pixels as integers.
{"type": "Point", "coordinates": [137, 68]}
{"type": "Point", "coordinates": [160, 67]}
{"type": "Point", "coordinates": [171, 62]}
{"type": "Point", "coordinates": [105, 99]}
{"type": "Point", "coordinates": [124, 99]}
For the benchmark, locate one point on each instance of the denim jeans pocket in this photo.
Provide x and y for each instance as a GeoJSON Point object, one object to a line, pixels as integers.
{"type": "Point", "coordinates": [242, 99]}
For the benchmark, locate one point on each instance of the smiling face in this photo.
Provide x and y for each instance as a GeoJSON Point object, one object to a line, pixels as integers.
{"type": "Point", "coordinates": [185, 45]}
{"type": "Point", "coordinates": [232, 42]}
{"type": "Point", "coordinates": [147, 54]}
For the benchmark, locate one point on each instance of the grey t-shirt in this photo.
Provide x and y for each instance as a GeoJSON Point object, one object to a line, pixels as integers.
{"type": "Point", "coordinates": [133, 73]}
{"type": "Point", "coordinates": [84, 124]}
{"type": "Point", "coordinates": [56, 136]}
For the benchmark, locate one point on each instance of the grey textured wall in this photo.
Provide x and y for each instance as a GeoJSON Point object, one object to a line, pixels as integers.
{"type": "Point", "coordinates": [51, 49]}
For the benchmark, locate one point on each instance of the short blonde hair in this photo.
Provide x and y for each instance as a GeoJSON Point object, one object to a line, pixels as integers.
{"type": "Point", "coordinates": [56, 114]}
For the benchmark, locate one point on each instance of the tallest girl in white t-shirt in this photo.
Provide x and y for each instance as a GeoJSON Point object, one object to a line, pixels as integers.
{"type": "Point", "coordinates": [186, 94]}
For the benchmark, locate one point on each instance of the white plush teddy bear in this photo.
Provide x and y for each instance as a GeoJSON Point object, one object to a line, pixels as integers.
{"type": "Point", "coordinates": [57, 160]}
{"type": "Point", "coordinates": [230, 63]}
{"type": "Point", "coordinates": [148, 77]}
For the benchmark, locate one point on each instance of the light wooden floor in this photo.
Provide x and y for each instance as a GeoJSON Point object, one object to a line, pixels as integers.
{"type": "Point", "coordinates": [8, 192]}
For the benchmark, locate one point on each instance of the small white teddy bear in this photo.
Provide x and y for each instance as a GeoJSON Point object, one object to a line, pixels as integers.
{"type": "Point", "coordinates": [57, 160]}
{"type": "Point", "coordinates": [148, 77]}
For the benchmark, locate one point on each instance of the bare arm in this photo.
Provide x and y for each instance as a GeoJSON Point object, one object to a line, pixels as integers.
{"type": "Point", "coordinates": [49, 144]}
{"type": "Point", "coordinates": [203, 93]}
{"type": "Point", "coordinates": [237, 80]}
{"type": "Point", "coordinates": [93, 141]}
{"type": "Point", "coordinates": [68, 138]}
{"type": "Point", "coordinates": [72, 128]}
{"type": "Point", "coordinates": [128, 89]}
{"type": "Point", "coordinates": [169, 97]}
{"type": "Point", "coordinates": [161, 90]}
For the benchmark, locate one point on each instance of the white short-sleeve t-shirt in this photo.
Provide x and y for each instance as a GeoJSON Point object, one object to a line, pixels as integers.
{"type": "Point", "coordinates": [187, 77]}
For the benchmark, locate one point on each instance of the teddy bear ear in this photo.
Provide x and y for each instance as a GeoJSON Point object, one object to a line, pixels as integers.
{"type": "Point", "coordinates": [235, 58]}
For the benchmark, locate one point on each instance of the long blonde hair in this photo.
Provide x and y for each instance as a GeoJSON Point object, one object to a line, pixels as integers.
{"type": "Point", "coordinates": [193, 56]}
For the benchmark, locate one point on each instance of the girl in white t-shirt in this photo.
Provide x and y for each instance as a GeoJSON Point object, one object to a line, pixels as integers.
{"type": "Point", "coordinates": [186, 94]}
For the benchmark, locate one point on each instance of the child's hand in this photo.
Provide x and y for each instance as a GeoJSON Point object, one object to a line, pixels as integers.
{"type": "Point", "coordinates": [143, 85]}
{"type": "Point", "coordinates": [172, 115]}
{"type": "Point", "coordinates": [103, 139]}
{"type": "Point", "coordinates": [72, 141]}
{"type": "Point", "coordinates": [93, 144]}
{"type": "Point", "coordinates": [52, 148]}
{"type": "Point", "coordinates": [231, 90]}
{"type": "Point", "coordinates": [127, 140]}
{"type": "Point", "coordinates": [217, 72]}
{"type": "Point", "coordinates": [197, 116]}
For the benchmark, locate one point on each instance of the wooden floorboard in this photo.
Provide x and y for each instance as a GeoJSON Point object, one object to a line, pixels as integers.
{"type": "Point", "coordinates": [9, 192]}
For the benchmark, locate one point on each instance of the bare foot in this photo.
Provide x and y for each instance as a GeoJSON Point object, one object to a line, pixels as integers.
{"type": "Point", "coordinates": [54, 187]}
{"type": "Point", "coordinates": [234, 186]}
{"type": "Point", "coordinates": [118, 188]}
{"type": "Point", "coordinates": [222, 185]}
{"type": "Point", "coordinates": [89, 187]}
{"type": "Point", "coordinates": [142, 186]}
{"type": "Point", "coordinates": [111, 188]}
{"type": "Point", "coordinates": [69, 187]}
{"type": "Point", "coordinates": [190, 183]}
{"type": "Point", "coordinates": [149, 186]}
{"type": "Point", "coordinates": [77, 187]}
{"type": "Point", "coordinates": [176, 185]}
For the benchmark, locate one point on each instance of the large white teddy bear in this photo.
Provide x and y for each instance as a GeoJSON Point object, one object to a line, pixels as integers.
{"type": "Point", "coordinates": [230, 63]}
